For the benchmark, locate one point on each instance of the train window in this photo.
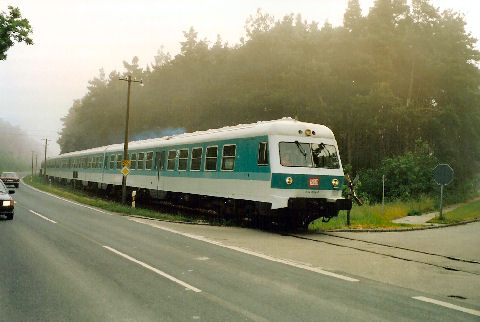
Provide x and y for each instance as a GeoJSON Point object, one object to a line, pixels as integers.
{"type": "Point", "coordinates": [159, 160]}
{"type": "Point", "coordinates": [141, 158]}
{"type": "Point", "coordinates": [149, 161]}
{"type": "Point", "coordinates": [196, 159]}
{"type": "Point", "coordinates": [119, 161]}
{"type": "Point", "coordinates": [211, 158]}
{"type": "Point", "coordinates": [172, 155]}
{"type": "Point", "coordinates": [99, 162]}
{"type": "Point", "coordinates": [133, 164]}
{"type": "Point", "coordinates": [183, 160]}
{"type": "Point", "coordinates": [312, 155]}
{"type": "Point", "coordinates": [262, 153]}
{"type": "Point", "coordinates": [112, 161]}
{"type": "Point", "coordinates": [228, 157]}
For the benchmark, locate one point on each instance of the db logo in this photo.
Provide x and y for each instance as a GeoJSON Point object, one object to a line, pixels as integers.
{"type": "Point", "coordinates": [313, 182]}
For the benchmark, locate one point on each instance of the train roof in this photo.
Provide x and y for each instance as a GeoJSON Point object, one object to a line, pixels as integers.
{"type": "Point", "coordinates": [285, 126]}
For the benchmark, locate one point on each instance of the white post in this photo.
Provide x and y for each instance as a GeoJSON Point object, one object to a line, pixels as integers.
{"type": "Point", "coordinates": [134, 193]}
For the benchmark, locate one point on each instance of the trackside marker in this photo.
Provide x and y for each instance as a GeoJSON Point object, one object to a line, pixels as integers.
{"type": "Point", "coordinates": [153, 269]}
{"type": "Point", "coordinates": [43, 217]}
{"type": "Point", "coordinates": [252, 253]}
{"type": "Point", "coordinates": [448, 305]}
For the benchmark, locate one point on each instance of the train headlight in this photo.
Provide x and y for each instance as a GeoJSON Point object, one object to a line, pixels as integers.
{"type": "Point", "coordinates": [7, 203]}
{"type": "Point", "coordinates": [335, 183]}
{"type": "Point", "coordinates": [289, 180]}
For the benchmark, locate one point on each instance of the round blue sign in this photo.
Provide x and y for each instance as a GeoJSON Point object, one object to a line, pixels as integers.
{"type": "Point", "coordinates": [443, 174]}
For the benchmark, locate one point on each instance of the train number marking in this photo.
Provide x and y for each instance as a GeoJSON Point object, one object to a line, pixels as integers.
{"type": "Point", "coordinates": [314, 182]}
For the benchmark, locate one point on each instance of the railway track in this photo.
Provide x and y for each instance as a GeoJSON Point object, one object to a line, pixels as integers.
{"type": "Point", "coordinates": [449, 263]}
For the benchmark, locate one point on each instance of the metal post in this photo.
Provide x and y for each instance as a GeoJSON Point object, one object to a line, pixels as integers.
{"type": "Point", "coordinates": [349, 196]}
{"type": "Point", "coordinates": [441, 202]}
{"type": "Point", "coordinates": [383, 194]}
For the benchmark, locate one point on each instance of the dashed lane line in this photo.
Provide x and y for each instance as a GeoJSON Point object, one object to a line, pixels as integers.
{"type": "Point", "coordinates": [43, 217]}
{"type": "Point", "coordinates": [447, 305]}
{"type": "Point", "coordinates": [252, 253]}
{"type": "Point", "coordinates": [153, 269]}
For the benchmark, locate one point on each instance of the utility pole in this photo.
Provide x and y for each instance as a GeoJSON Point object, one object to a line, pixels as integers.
{"type": "Point", "coordinates": [32, 167]}
{"type": "Point", "coordinates": [45, 163]}
{"type": "Point", "coordinates": [129, 80]}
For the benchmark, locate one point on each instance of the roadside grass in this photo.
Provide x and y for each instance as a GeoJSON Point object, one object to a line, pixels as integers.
{"type": "Point", "coordinates": [375, 216]}
{"type": "Point", "coordinates": [79, 196]}
{"type": "Point", "coordinates": [469, 211]}
{"type": "Point", "coordinates": [361, 217]}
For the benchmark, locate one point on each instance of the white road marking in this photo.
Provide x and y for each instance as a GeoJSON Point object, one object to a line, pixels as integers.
{"type": "Point", "coordinates": [43, 217]}
{"type": "Point", "coordinates": [159, 272]}
{"type": "Point", "coordinates": [252, 253]}
{"type": "Point", "coordinates": [70, 201]}
{"type": "Point", "coordinates": [448, 305]}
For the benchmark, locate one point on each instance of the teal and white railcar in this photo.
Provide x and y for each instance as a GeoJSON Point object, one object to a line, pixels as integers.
{"type": "Point", "coordinates": [284, 165]}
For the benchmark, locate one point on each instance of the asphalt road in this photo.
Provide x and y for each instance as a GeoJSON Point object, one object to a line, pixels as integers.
{"type": "Point", "coordinates": [62, 261]}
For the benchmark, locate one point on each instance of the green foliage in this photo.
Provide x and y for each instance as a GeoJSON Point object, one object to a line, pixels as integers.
{"type": "Point", "coordinates": [380, 82]}
{"type": "Point", "coordinates": [406, 176]}
{"type": "Point", "coordinates": [414, 212]}
{"type": "Point", "coordinates": [13, 28]}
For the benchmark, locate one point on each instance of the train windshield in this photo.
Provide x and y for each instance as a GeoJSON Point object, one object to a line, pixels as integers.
{"type": "Point", "coordinates": [311, 155]}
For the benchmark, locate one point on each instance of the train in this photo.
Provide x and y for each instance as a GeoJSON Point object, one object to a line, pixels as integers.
{"type": "Point", "coordinates": [284, 170]}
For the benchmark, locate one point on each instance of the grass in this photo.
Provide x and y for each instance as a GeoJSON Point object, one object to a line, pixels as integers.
{"type": "Point", "coordinates": [375, 216]}
{"type": "Point", "coordinates": [364, 217]}
{"type": "Point", "coordinates": [67, 192]}
{"type": "Point", "coordinates": [466, 212]}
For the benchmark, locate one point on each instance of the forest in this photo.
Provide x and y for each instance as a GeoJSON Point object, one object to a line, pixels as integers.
{"type": "Point", "coordinates": [398, 86]}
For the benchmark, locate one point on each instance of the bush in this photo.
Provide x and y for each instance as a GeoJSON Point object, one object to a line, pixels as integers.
{"type": "Point", "coordinates": [414, 212]}
{"type": "Point", "coordinates": [407, 176]}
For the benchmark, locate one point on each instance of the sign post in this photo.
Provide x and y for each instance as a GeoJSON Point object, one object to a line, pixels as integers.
{"type": "Point", "coordinates": [443, 175]}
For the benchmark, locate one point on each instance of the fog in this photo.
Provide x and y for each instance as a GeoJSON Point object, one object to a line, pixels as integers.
{"type": "Point", "coordinates": [73, 40]}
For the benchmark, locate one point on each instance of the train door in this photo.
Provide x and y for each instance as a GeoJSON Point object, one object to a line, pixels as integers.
{"type": "Point", "coordinates": [160, 167]}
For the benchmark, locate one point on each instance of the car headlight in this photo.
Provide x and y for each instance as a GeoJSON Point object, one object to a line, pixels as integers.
{"type": "Point", "coordinates": [7, 203]}
{"type": "Point", "coordinates": [289, 180]}
{"type": "Point", "coordinates": [335, 183]}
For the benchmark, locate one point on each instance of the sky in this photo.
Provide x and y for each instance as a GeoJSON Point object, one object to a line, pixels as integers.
{"type": "Point", "coordinates": [74, 39]}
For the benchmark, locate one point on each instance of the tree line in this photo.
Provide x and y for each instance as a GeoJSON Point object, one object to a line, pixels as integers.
{"type": "Point", "coordinates": [383, 82]}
